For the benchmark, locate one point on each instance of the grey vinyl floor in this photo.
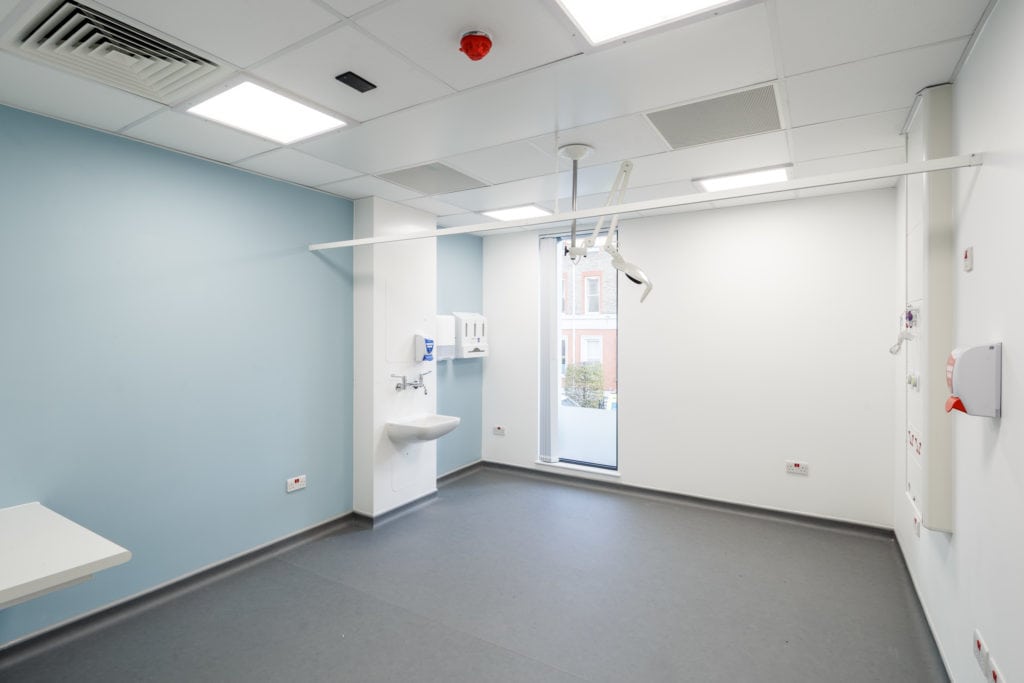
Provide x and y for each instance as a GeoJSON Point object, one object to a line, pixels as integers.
{"type": "Point", "coordinates": [511, 577]}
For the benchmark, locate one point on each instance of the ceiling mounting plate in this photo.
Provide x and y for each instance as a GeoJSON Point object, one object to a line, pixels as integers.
{"type": "Point", "coordinates": [576, 151]}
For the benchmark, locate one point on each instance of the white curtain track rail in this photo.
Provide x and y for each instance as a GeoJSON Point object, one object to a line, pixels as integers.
{"type": "Point", "coordinates": [895, 171]}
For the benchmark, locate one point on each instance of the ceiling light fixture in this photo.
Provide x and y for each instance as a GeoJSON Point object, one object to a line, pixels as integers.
{"type": "Point", "coordinates": [604, 20]}
{"type": "Point", "coordinates": [254, 109]}
{"type": "Point", "coordinates": [733, 181]}
{"type": "Point", "coordinates": [517, 213]}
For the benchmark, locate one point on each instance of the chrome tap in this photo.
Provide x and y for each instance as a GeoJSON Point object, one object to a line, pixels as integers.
{"type": "Point", "coordinates": [406, 383]}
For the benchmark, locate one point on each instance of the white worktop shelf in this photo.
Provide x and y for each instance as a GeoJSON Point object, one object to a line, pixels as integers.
{"type": "Point", "coordinates": [41, 551]}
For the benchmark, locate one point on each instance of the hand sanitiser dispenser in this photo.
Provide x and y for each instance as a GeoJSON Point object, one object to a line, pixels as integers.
{"type": "Point", "coordinates": [424, 348]}
{"type": "Point", "coordinates": [470, 335]}
{"type": "Point", "coordinates": [974, 377]}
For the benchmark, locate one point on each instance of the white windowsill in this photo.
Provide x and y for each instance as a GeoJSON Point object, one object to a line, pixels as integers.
{"type": "Point", "coordinates": [578, 468]}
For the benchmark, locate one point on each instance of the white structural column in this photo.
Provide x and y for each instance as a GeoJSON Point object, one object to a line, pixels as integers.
{"type": "Point", "coordinates": [395, 292]}
{"type": "Point", "coordinates": [930, 269]}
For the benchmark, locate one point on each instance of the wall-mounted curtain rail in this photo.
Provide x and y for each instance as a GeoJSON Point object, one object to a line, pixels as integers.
{"type": "Point", "coordinates": [895, 171]}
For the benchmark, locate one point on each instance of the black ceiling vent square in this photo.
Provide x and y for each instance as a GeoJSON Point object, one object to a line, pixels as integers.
{"type": "Point", "coordinates": [355, 81]}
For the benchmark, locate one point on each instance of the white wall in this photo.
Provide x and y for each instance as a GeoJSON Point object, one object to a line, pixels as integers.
{"type": "Point", "coordinates": [395, 296]}
{"type": "Point", "coordinates": [973, 577]}
{"type": "Point", "coordinates": [764, 339]}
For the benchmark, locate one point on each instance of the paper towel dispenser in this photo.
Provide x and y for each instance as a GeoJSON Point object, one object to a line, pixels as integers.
{"type": "Point", "coordinates": [444, 340]}
{"type": "Point", "coordinates": [974, 377]}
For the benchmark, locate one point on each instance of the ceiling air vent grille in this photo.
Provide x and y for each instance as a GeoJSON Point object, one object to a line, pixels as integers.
{"type": "Point", "coordinates": [720, 118]}
{"type": "Point", "coordinates": [433, 178]}
{"type": "Point", "coordinates": [90, 43]}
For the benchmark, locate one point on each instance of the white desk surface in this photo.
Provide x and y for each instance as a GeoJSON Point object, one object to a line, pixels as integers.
{"type": "Point", "coordinates": [41, 551]}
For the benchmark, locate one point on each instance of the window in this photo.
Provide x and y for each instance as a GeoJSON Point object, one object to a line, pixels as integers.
{"type": "Point", "coordinates": [578, 416]}
{"type": "Point", "coordinates": [590, 350]}
{"type": "Point", "coordinates": [592, 289]}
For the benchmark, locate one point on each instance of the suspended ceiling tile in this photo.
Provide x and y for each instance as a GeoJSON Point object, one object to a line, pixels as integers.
{"type": "Point", "coordinates": [872, 85]}
{"type": "Point", "coordinates": [733, 51]}
{"type": "Point", "coordinates": [518, 193]}
{"type": "Point", "coordinates": [430, 179]}
{"type": "Point", "coordinates": [814, 34]}
{"type": "Point", "coordinates": [514, 109]}
{"type": "Point", "coordinates": [44, 90]}
{"type": "Point", "coordinates": [240, 31]}
{"type": "Point", "coordinates": [541, 190]}
{"type": "Point", "coordinates": [505, 163]}
{"type": "Point", "coordinates": [613, 140]}
{"type": "Point", "coordinates": [692, 62]}
{"type": "Point", "coordinates": [849, 162]}
{"type": "Point", "coordinates": [8, 15]}
{"type": "Point", "coordinates": [297, 167]}
{"type": "Point", "coordinates": [368, 186]}
{"type": "Point", "coordinates": [731, 156]}
{"type": "Point", "coordinates": [187, 133]}
{"type": "Point", "coordinates": [526, 34]}
{"type": "Point", "coordinates": [678, 188]}
{"type": "Point", "coordinates": [723, 117]}
{"type": "Point", "coordinates": [431, 205]}
{"type": "Point", "coordinates": [848, 136]}
{"type": "Point", "coordinates": [351, 7]}
{"type": "Point", "coordinates": [459, 220]}
{"type": "Point", "coordinates": [310, 71]}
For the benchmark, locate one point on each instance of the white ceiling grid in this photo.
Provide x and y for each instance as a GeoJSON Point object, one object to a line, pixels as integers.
{"type": "Point", "coordinates": [846, 72]}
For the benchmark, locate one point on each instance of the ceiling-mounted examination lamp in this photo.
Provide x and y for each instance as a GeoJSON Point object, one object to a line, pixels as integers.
{"type": "Point", "coordinates": [254, 109]}
{"type": "Point", "coordinates": [516, 213]}
{"type": "Point", "coordinates": [609, 242]}
{"type": "Point", "coordinates": [604, 20]}
{"type": "Point", "coordinates": [734, 181]}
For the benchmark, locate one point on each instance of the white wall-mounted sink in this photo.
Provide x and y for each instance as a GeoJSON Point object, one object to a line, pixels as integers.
{"type": "Point", "coordinates": [421, 427]}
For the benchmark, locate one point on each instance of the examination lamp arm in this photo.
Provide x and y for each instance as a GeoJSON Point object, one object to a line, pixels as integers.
{"type": "Point", "coordinates": [630, 270]}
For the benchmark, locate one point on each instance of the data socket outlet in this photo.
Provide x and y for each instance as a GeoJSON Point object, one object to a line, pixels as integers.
{"type": "Point", "coordinates": [797, 467]}
{"type": "Point", "coordinates": [294, 484]}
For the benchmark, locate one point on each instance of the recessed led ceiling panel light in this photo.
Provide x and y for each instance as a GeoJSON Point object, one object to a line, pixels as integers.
{"type": "Point", "coordinates": [256, 110]}
{"type": "Point", "coordinates": [518, 212]}
{"type": "Point", "coordinates": [764, 176]}
{"type": "Point", "coordinates": [604, 20]}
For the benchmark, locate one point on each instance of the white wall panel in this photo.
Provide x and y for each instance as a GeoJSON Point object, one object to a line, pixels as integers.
{"type": "Point", "coordinates": [972, 578]}
{"type": "Point", "coordinates": [763, 340]}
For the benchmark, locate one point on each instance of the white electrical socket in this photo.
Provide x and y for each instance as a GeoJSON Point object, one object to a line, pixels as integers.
{"type": "Point", "coordinates": [500, 430]}
{"type": "Point", "coordinates": [917, 526]}
{"type": "Point", "coordinates": [295, 483]}
{"type": "Point", "coordinates": [981, 652]}
{"type": "Point", "coordinates": [797, 467]}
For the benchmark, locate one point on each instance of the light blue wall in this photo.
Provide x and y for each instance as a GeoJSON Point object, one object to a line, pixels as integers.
{"type": "Point", "coordinates": [460, 279]}
{"type": "Point", "coordinates": [171, 352]}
